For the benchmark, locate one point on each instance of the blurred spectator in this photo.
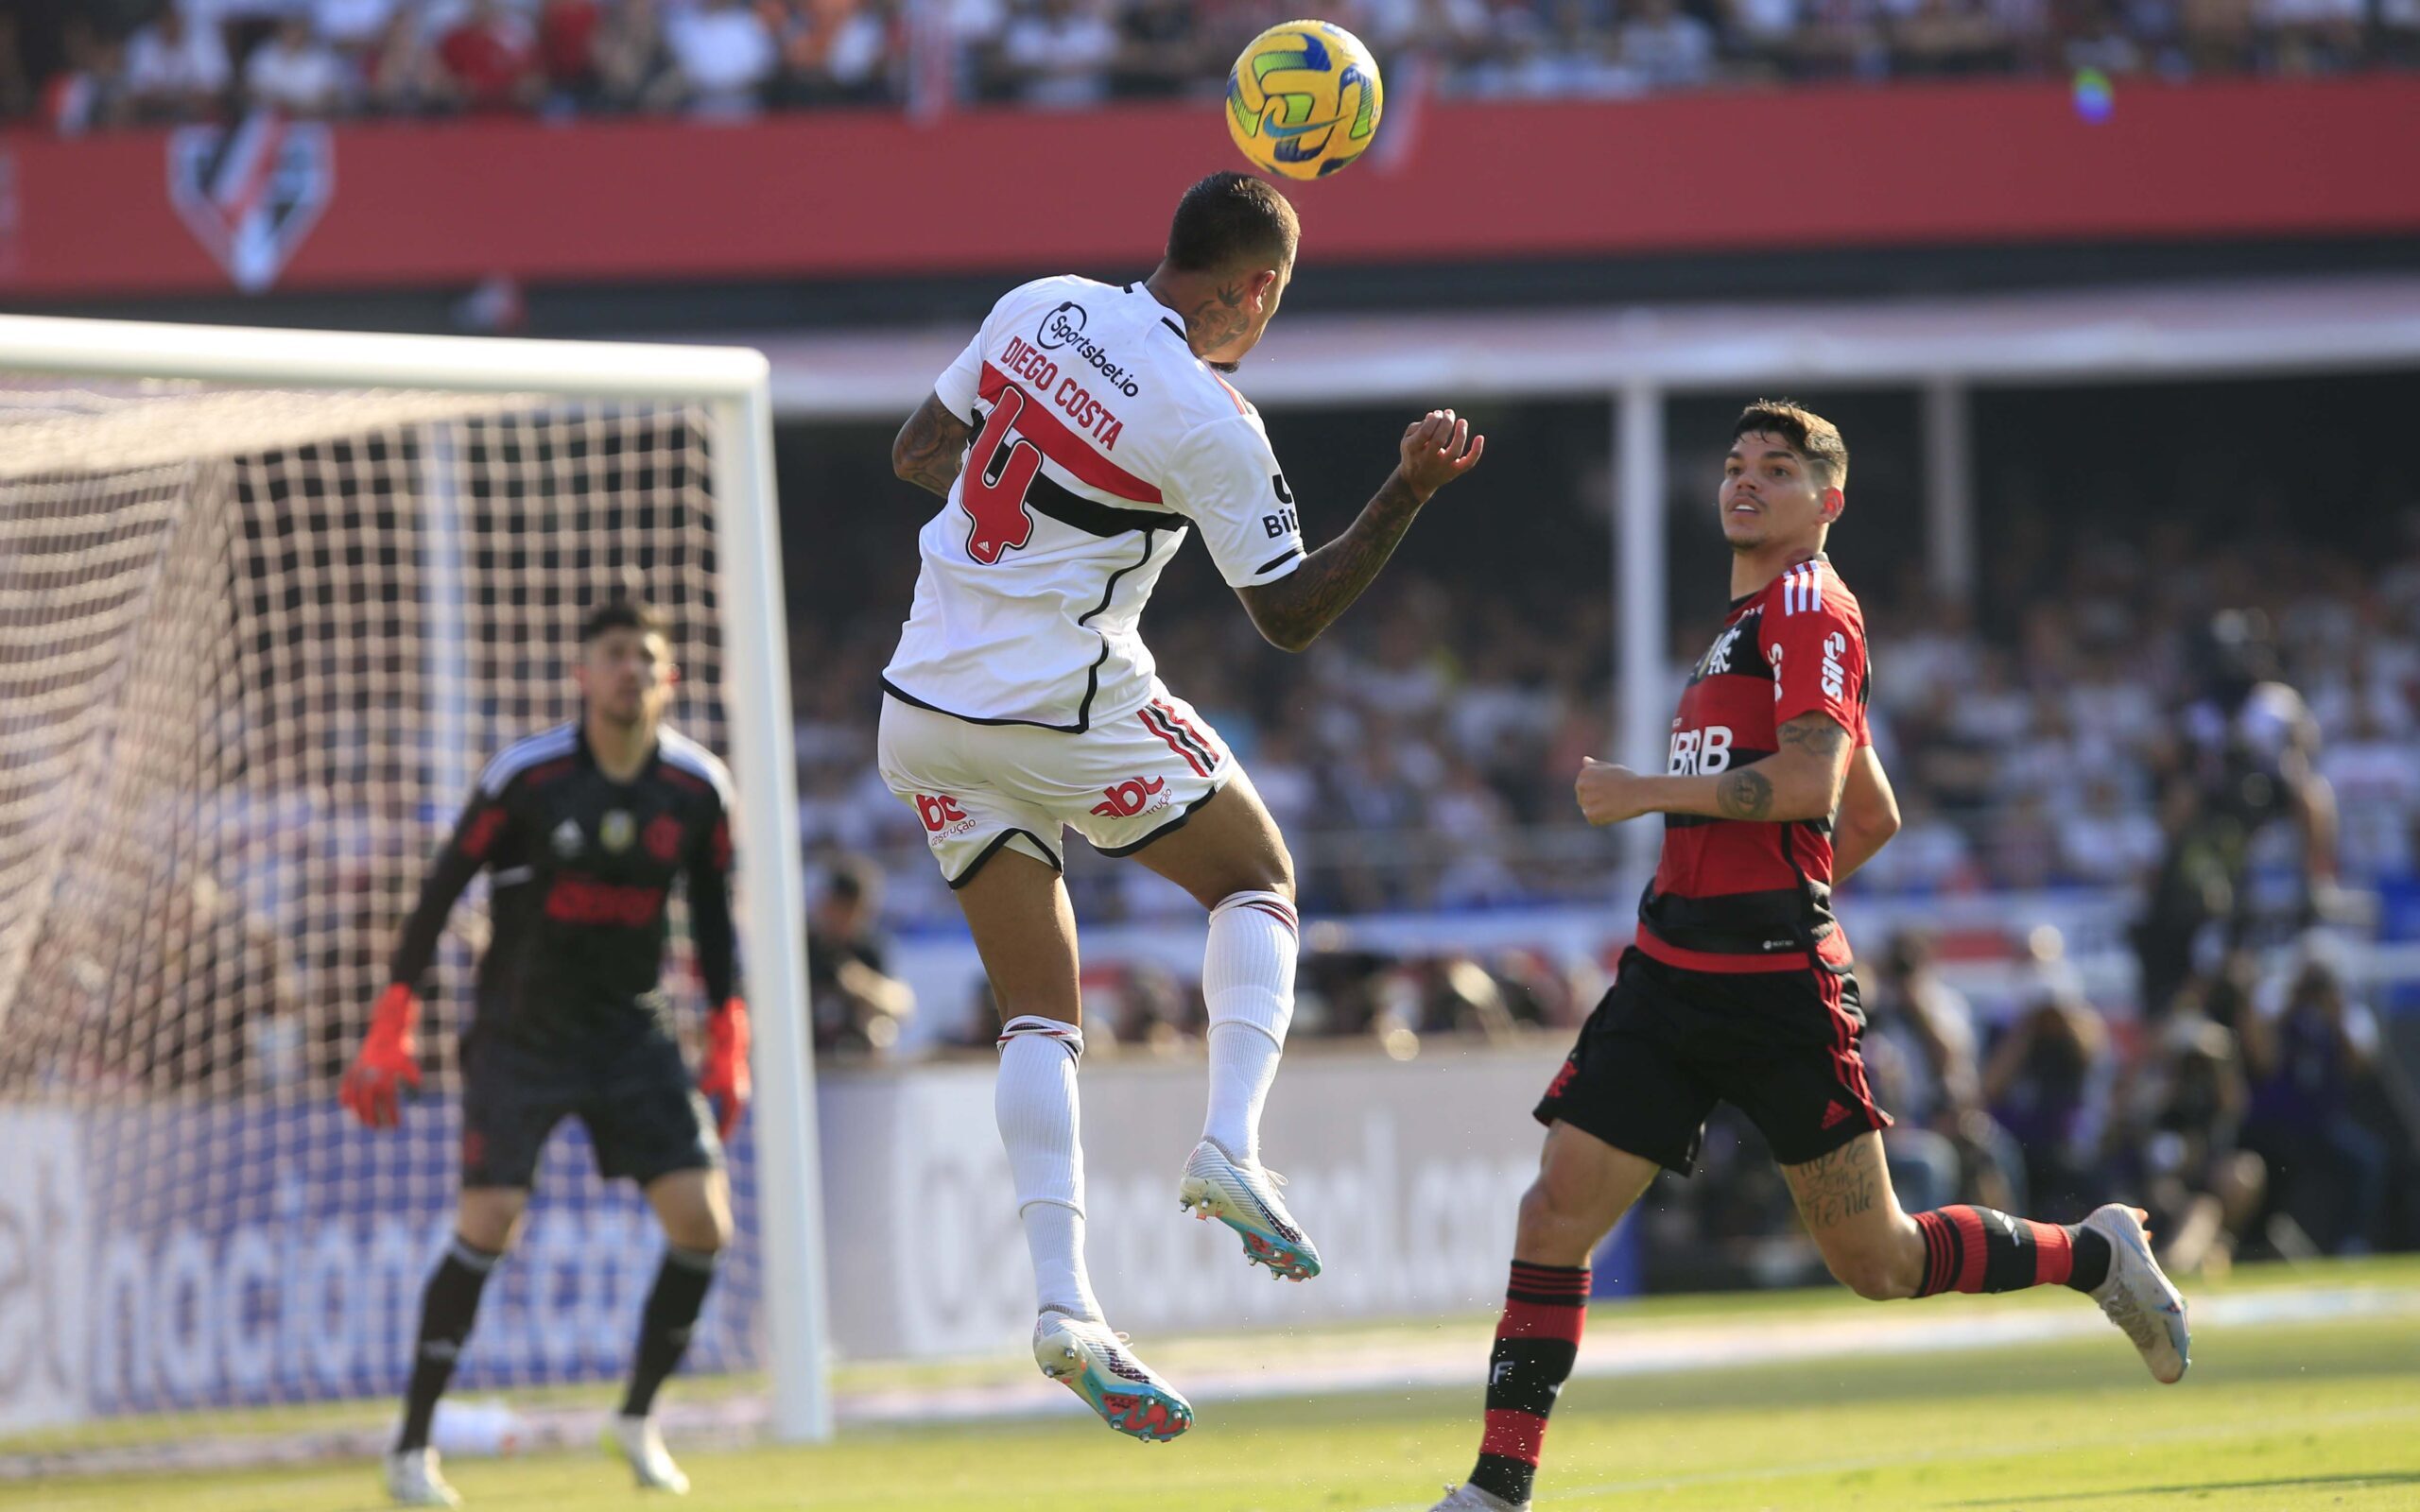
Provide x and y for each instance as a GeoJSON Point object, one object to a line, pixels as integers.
{"type": "Point", "coordinates": [402, 75]}
{"type": "Point", "coordinates": [1665, 46]}
{"type": "Point", "coordinates": [1935, 37]}
{"type": "Point", "coordinates": [88, 92]}
{"type": "Point", "coordinates": [2047, 1083]}
{"type": "Point", "coordinates": [1570, 53]}
{"type": "Point", "coordinates": [492, 55]}
{"type": "Point", "coordinates": [355, 27]}
{"type": "Point", "coordinates": [2105, 842]}
{"type": "Point", "coordinates": [16, 88]}
{"type": "Point", "coordinates": [568, 39]}
{"type": "Point", "coordinates": [294, 72]}
{"type": "Point", "coordinates": [2311, 36]}
{"type": "Point", "coordinates": [1149, 1014]}
{"type": "Point", "coordinates": [2245, 761]}
{"type": "Point", "coordinates": [723, 56]}
{"type": "Point", "coordinates": [2398, 32]}
{"type": "Point", "coordinates": [1920, 1048]}
{"type": "Point", "coordinates": [1160, 51]}
{"type": "Point", "coordinates": [2217, 35]}
{"type": "Point", "coordinates": [635, 67]}
{"type": "Point", "coordinates": [856, 1004]}
{"type": "Point", "coordinates": [1059, 53]}
{"type": "Point", "coordinates": [2311, 1052]}
{"type": "Point", "coordinates": [2375, 777]}
{"type": "Point", "coordinates": [832, 51]}
{"type": "Point", "coordinates": [176, 70]}
{"type": "Point", "coordinates": [2101, 43]}
{"type": "Point", "coordinates": [2204, 1192]}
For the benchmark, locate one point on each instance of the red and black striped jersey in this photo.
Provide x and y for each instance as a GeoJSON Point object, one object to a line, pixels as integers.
{"type": "Point", "coordinates": [1739, 895]}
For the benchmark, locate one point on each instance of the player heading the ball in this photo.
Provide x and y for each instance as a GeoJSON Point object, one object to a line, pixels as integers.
{"type": "Point", "coordinates": [1082, 435]}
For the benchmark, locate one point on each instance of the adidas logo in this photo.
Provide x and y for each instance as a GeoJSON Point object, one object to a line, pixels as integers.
{"type": "Point", "coordinates": [1833, 1114]}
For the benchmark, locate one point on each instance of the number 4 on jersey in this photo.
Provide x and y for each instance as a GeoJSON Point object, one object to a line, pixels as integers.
{"type": "Point", "coordinates": [992, 490]}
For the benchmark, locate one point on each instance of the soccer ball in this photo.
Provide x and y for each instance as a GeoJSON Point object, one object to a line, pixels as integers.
{"type": "Point", "coordinates": [1303, 99]}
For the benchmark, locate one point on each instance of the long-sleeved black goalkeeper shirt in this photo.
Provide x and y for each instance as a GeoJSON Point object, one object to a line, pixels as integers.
{"type": "Point", "coordinates": [581, 867]}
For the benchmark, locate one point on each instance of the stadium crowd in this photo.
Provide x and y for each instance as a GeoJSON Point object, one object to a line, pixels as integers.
{"type": "Point", "coordinates": [136, 61]}
{"type": "Point", "coordinates": [1414, 766]}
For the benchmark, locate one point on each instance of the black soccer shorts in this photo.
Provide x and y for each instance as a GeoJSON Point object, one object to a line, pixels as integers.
{"type": "Point", "coordinates": [642, 1110]}
{"type": "Point", "coordinates": [1665, 1044]}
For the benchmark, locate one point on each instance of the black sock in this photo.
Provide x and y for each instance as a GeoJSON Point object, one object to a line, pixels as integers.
{"type": "Point", "coordinates": [2091, 1266]}
{"type": "Point", "coordinates": [1977, 1249]}
{"type": "Point", "coordinates": [1535, 1344]}
{"type": "Point", "coordinates": [671, 1316]}
{"type": "Point", "coordinates": [446, 1310]}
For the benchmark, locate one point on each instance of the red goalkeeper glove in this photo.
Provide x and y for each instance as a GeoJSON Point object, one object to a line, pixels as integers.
{"type": "Point", "coordinates": [389, 1055]}
{"type": "Point", "coordinates": [724, 1076]}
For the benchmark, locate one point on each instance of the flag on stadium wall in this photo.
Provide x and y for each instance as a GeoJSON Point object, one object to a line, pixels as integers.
{"type": "Point", "coordinates": [252, 191]}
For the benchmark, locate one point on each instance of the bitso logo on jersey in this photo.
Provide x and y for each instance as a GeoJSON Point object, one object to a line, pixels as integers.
{"type": "Point", "coordinates": [1303, 99]}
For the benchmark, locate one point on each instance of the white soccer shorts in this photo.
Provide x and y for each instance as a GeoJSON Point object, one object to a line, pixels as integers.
{"type": "Point", "coordinates": [1121, 784]}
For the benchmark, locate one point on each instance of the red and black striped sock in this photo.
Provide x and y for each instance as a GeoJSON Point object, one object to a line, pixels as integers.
{"type": "Point", "coordinates": [1977, 1249]}
{"type": "Point", "coordinates": [1535, 1347]}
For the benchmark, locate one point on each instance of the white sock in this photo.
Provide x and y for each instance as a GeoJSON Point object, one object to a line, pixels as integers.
{"type": "Point", "coordinates": [1248, 984]}
{"type": "Point", "coordinates": [1035, 1103]}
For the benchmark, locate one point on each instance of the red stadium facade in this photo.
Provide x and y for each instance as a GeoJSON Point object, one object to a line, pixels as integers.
{"type": "Point", "coordinates": [833, 196]}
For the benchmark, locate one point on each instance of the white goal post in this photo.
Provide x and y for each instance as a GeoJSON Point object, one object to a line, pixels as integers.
{"type": "Point", "coordinates": [78, 401]}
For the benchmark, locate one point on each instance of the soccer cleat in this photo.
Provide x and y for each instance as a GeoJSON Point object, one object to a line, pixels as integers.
{"type": "Point", "coordinates": [1469, 1498]}
{"type": "Point", "coordinates": [1244, 1197]}
{"type": "Point", "coordinates": [639, 1443]}
{"type": "Point", "coordinates": [1092, 1362]}
{"type": "Point", "coordinates": [2138, 1297]}
{"type": "Point", "coordinates": [414, 1480]}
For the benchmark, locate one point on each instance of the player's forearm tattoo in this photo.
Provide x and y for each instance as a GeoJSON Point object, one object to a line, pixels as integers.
{"type": "Point", "coordinates": [1293, 611]}
{"type": "Point", "coordinates": [1834, 1187]}
{"type": "Point", "coordinates": [931, 448]}
{"type": "Point", "coordinates": [1745, 794]}
{"type": "Point", "coordinates": [1818, 734]}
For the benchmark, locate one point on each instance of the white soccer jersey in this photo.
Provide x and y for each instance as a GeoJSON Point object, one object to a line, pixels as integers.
{"type": "Point", "coordinates": [1099, 439]}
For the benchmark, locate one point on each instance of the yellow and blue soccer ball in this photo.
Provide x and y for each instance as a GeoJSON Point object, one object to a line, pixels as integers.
{"type": "Point", "coordinates": [1303, 99]}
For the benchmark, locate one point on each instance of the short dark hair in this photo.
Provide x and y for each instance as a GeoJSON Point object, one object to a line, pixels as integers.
{"type": "Point", "coordinates": [1229, 218]}
{"type": "Point", "coordinates": [1809, 434]}
{"type": "Point", "coordinates": [622, 614]}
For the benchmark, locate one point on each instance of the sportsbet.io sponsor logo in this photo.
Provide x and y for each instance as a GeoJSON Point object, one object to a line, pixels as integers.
{"type": "Point", "coordinates": [1065, 326]}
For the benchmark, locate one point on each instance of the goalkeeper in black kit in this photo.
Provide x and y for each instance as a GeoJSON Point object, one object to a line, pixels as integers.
{"type": "Point", "coordinates": [584, 829]}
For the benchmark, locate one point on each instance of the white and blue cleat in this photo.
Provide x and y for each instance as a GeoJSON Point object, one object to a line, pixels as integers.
{"type": "Point", "coordinates": [1244, 1197]}
{"type": "Point", "coordinates": [2137, 1296]}
{"type": "Point", "coordinates": [639, 1444]}
{"type": "Point", "coordinates": [414, 1480]}
{"type": "Point", "coordinates": [1094, 1363]}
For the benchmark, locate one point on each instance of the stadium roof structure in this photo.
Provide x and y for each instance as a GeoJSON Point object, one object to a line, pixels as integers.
{"type": "Point", "coordinates": [1635, 356]}
{"type": "Point", "coordinates": [2109, 334]}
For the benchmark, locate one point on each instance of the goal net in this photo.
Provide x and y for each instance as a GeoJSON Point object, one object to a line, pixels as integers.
{"type": "Point", "coordinates": [255, 643]}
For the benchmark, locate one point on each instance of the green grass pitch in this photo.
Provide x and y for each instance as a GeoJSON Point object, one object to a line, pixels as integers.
{"type": "Point", "coordinates": [2317, 1413]}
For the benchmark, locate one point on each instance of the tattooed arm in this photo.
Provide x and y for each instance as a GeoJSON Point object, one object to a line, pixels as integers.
{"type": "Point", "coordinates": [1291, 613]}
{"type": "Point", "coordinates": [1801, 780]}
{"type": "Point", "coordinates": [932, 447]}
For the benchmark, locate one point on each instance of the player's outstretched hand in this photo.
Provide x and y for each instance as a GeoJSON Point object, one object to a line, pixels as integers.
{"type": "Point", "coordinates": [1608, 793]}
{"type": "Point", "coordinates": [389, 1058]}
{"type": "Point", "coordinates": [724, 1076]}
{"type": "Point", "coordinates": [1436, 449]}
